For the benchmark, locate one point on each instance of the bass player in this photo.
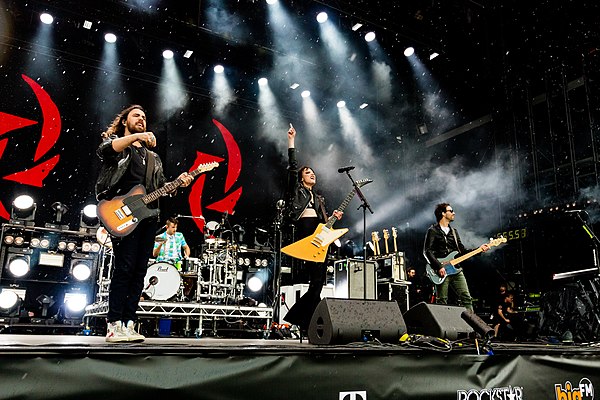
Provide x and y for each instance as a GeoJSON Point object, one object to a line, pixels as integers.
{"type": "Point", "coordinates": [127, 162]}
{"type": "Point", "coordinates": [440, 240]}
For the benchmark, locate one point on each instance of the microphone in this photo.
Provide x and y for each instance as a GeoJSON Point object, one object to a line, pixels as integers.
{"type": "Point", "coordinates": [345, 169]}
{"type": "Point", "coordinates": [153, 281]}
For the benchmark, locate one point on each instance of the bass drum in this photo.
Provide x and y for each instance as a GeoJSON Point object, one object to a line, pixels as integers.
{"type": "Point", "coordinates": [162, 281]}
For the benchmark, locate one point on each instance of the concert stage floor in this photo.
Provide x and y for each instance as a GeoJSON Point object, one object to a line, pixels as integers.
{"type": "Point", "coordinates": [75, 367]}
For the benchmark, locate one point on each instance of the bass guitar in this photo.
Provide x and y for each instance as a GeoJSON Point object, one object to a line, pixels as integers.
{"type": "Point", "coordinates": [121, 214]}
{"type": "Point", "coordinates": [314, 247]}
{"type": "Point", "coordinates": [449, 262]}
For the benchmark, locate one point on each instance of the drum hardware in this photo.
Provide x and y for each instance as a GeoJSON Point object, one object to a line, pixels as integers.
{"type": "Point", "coordinates": [162, 281]}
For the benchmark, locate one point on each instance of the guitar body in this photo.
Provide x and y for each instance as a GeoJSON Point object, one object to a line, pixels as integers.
{"type": "Point", "coordinates": [450, 269]}
{"type": "Point", "coordinates": [121, 214]}
{"type": "Point", "coordinates": [314, 247]}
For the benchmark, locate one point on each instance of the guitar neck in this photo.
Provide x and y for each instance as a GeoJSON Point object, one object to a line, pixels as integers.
{"type": "Point", "coordinates": [169, 187]}
{"type": "Point", "coordinates": [465, 256]}
{"type": "Point", "coordinates": [341, 208]}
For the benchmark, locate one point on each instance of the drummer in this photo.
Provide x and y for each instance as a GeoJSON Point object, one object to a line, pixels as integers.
{"type": "Point", "coordinates": [168, 245]}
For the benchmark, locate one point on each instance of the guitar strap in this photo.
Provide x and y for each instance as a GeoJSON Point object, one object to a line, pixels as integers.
{"type": "Point", "coordinates": [319, 199]}
{"type": "Point", "coordinates": [149, 169]}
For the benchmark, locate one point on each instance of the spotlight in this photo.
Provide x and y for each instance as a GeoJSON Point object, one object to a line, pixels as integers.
{"type": "Point", "coordinates": [219, 69]}
{"type": "Point", "coordinates": [71, 246]}
{"type": "Point", "coordinates": [322, 17]}
{"type": "Point", "coordinates": [305, 94]}
{"type": "Point", "coordinates": [18, 265]}
{"type": "Point", "coordinates": [45, 243]}
{"type": "Point", "coordinates": [81, 271]}
{"type": "Point", "coordinates": [188, 54]}
{"type": "Point", "coordinates": [75, 302]}
{"type": "Point", "coordinates": [46, 302]}
{"type": "Point", "coordinates": [294, 86]}
{"type": "Point", "coordinates": [9, 239]}
{"type": "Point", "coordinates": [263, 82]}
{"type": "Point", "coordinates": [356, 26]}
{"type": "Point", "coordinates": [271, 1]}
{"type": "Point", "coordinates": [370, 36]}
{"type": "Point", "coordinates": [60, 209]}
{"type": "Point", "coordinates": [254, 284]}
{"type": "Point", "coordinates": [19, 241]}
{"type": "Point", "coordinates": [363, 106]}
{"type": "Point", "coordinates": [88, 219]}
{"type": "Point", "coordinates": [168, 54]}
{"type": "Point", "coordinates": [23, 210]}
{"type": "Point", "coordinates": [62, 245]}
{"type": "Point", "coordinates": [433, 55]}
{"type": "Point", "coordinates": [341, 104]}
{"type": "Point", "coordinates": [87, 24]}
{"type": "Point", "coordinates": [11, 301]}
{"type": "Point", "coordinates": [110, 38]}
{"type": "Point", "coordinates": [34, 242]}
{"type": "Point", "coordinates": [409, 51]}
{"type": "Point", "coordinates": [46, 18]}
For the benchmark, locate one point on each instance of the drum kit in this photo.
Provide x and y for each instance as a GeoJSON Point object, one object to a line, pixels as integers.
{"type": "Point", "coordinates": [211, 278]}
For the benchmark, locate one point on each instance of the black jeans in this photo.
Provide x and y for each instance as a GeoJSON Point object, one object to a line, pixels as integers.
{"type": "Point", "coordinates": [130, 266]}
{"type": "Point", "coordinates": [301, 312]}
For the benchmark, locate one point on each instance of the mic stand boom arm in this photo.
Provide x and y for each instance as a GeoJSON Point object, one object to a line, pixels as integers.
{"type": "Point", "coordinates": [364, 205]}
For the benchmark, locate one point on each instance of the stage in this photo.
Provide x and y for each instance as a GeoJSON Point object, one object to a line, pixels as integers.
{"type": "Point", "coordinates": [76, 366]}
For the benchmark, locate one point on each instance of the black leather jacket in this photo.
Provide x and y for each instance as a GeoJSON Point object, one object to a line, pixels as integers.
{"type": "Point", "coordinates": [297, 195]}
{"type": "Point", "coordinates": [439, 245]}
{"type": "Point", "coordinates": [114, 166]}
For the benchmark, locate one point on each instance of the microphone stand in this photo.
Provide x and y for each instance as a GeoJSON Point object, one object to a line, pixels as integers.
{"type": "Point", "coordinates": [364, 205]}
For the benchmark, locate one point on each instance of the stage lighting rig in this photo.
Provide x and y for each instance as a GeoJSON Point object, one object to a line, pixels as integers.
{"type": "Point", "coordinates": [23, 211]}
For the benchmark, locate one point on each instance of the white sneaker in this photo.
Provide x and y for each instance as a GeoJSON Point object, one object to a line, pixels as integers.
{"type": "Point", "coordinates": [115, 332]}
{"type": "Point", "coordinates": [131, 333]}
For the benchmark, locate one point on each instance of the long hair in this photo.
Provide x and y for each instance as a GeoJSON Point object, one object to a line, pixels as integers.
{"type": "Point", "coordinates": [117, 127]}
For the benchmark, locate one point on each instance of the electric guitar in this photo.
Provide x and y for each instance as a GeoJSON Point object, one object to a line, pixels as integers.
{"type": "Point", "coordinates": [449, 262]}
{"type": "Point", "coordinates": [386, 236]}
{"type": "Point", "coordinates": [395, 235]}
{"type": "Point", "coordinates": [375, 239]}
{"type": "Point", "coordinates": [314, 247]}
{"type": "Point", "coordinates": [121, 214]}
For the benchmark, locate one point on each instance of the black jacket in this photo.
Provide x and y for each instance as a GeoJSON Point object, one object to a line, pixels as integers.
{"type": "Point", "coordinates": [114, 166]}
{"type": "Point", "coordinates": [297, 196]}
{"type": "Point", "coordinates": [439, 245]}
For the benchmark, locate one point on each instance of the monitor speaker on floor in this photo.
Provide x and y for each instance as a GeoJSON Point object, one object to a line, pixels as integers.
{"type": "Point", "coordinates": [340, 321]}
{"type": "Point", "coordinates": [437, 320]}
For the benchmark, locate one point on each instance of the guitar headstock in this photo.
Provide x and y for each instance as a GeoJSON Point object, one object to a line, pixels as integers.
{"type": "Point", "coordinates": [362, 182]}
{"type": "Point", "coordinates": [394, 232]}
{"type": "Point", "coordinates": [207, 166]}
{"type": "Point", "coordinates": [497, 241]}
{"type": "Point", "coordinates": [375, 236]}
{"type": "Point", "coordinates": [386, 235]}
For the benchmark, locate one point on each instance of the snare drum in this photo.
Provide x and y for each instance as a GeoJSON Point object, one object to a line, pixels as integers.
{"type": "Point", "coordinates": [162, 281]}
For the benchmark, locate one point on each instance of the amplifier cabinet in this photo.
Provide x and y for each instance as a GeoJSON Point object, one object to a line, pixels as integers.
{"type": "Point", "coordinates": [391, 266]}
{"type": "Point", "coordinates": [394, 291]}
{"type": "Point", "coordinates": [349, 278]}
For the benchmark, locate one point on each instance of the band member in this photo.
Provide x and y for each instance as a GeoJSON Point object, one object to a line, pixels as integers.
{"type": "Point", "coordinates": [306, 209]}
{"type": "Point", "coordinates": [126, 162]}
{"type": "Point", "coordinates": [441, 239]}
{"type": "Point", "coordinates": [168, 245]}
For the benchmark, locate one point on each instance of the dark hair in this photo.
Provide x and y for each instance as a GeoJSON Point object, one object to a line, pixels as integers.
{"type": "Point", "coordinates": [301, 170]}
{"type": "Point", "coordinates": [117, 127]}
{"type": "Point", "coordinates": [172, 220]}
{"type": "Point", "coordinates": [440, 209]}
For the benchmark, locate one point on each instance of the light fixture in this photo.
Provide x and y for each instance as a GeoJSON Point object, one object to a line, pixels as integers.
{"type": "Point", "coordinates": [60, 209]}
{"type": "Point", "coordinates": [87, 24]}
{"type": "Point", "coordinates": [219, 69]}
{"type": "Point", "coordinates": [23, 210]}
{"type": "Point", "coordinates": [18, 265]}
{"type": "Point", "coordinates": [75, 302]}
{"type": "Point", "coordinates": [168, 54]}
{"type": "Point", "coordinates": [263, 82]}
{"type": "Point", "coordinates": [254, 283]}
{"type": "Point", "coordinates": [363, 106]}
{"type": "Point", "coordinates": [409, 51]}
{"type": "Point", "coordinates": [322, 17]}
{"type": "Point", "coordinates": [46, 302]}
{"type": "Point", "coordinates": [88, 219]}
{"type": "Point", "coordinates": [433, 55]}
{"type": "Point", "coordinates": [51, 260]}
{"type": "Point", "coordinates": [188, 54]}
{"type": "Point", "coordinates": [110, 37]}
{"type": "Point", "coordinates": [271, 1]}
{"type": "Point", "coordinates": [356, 26]}
{"type": "Point", "coordinates": [370, 36]}
{"type": "Point", "coordinates": [9, 239]}
{"type": "Point", "coordinates": [46, 18]}
{"type": "Point", "coordinates": [305, 94]}
{"type": "Point", "coordinates": [294, 86]}
{"type": "Point", "coordinates": [341, 104]}
{"type": "Point", "coordinates": [11, 301]}
{"type": "Point", "coordinates": [81, 271]}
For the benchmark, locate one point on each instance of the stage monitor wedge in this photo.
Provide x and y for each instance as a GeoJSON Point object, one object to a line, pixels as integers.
{"type": "Point", "coordinates": [437, 320]}
{"type": "Point", "coordinates": [340, 321]}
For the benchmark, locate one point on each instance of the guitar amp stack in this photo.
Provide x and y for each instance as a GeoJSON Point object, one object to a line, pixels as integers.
{"type": "Point", "coordinates": [391, 267]}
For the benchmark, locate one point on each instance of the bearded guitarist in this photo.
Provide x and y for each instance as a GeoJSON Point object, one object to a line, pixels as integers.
{"type": "Point", "coordinates": [305, 209]}
{"type": "Point", "coordinates": [127, 161]}
{"type": "Point", "coordinates": [441, 240]}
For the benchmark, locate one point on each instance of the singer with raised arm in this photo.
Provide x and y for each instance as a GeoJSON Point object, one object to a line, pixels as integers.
{"type": "Point", "coordinates": [305, 209]}
{"type": "Point", "coordinates": [128, 162]}
{"type": "Point", "coordinates": [168, 245]}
